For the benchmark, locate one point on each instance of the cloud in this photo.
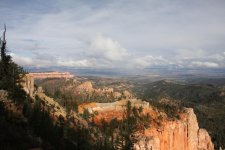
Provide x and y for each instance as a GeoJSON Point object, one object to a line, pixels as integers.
{"type": "Point", "coordinates": [148, 61]}
{"type": "Point", "coordinates": [204, 64]}
{"type": "Point", "coordinates": [79, 63]}
{"type": "Point", "coordinates": [187, 54]}
{"type": "Point", "coordinates": [24, 61]}
{"type": "Point", "coordinates": [107, 47]}
{"type": "Point", "coordinates": [110, 34]}
{"type": "Point", "coordinates": [37, 60]}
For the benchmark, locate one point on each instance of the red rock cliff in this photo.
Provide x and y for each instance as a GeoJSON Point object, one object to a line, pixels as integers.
{"type": "Point", "coordinates": [43, 75]}
{"type": "Point", "coordinates": [183, 134]}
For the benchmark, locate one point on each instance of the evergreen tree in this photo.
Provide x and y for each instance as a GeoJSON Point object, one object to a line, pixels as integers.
{"type": "Point", "coordinates": [86, 114]}
{"type": "Point", "coordinates": [10, 73]}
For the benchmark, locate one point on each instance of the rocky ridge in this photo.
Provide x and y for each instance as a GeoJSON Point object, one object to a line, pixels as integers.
{"type": "Point", "coordinates": [56, 111]}
{"type": "Point", "coordinates": [182, 134]}
{"type": "Point", "coordinates": [88, 88]}
{"type": "Point", "coordinates": [55, 74]}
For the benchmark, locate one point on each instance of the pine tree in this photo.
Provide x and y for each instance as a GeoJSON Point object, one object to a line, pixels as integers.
{"type": "Point", "coordinates": [10, 73]}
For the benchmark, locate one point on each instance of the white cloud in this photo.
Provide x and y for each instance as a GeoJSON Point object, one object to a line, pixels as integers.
{"type": "Point", "coordinates": [149, 60]}
{"type": "Point", "coordinates": [187, 54]}
{"type": "Point", "coordinates": [107, 47]}
{"type": "Point", "coordinates": [23, 61]}
{"type": "Point", "coordinates": [79, 63]}
{"type": "Point", "coordinates": [204, 64]}
{"type": "Point", "coordinates": [33, 61]}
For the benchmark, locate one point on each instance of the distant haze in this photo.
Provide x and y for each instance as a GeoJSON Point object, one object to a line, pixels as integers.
{"type": "Point", "coordinates": [123, 35]}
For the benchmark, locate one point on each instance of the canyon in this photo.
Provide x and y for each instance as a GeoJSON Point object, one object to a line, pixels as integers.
{"type": "Point", "coordinates": [170, 134]}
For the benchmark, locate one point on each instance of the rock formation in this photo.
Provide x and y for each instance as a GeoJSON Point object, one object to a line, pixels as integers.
{"type": "Point", "coordinates": [117, 94]}
{"type": "Point", "coordinates": [127, 94]}
{"type": "Point", "coordinates": [55, 110]}
{"type": "Point", "coordinates": [182, 134]}
{"type": "Point", "coordinates": [86, 86]}
{"type": "Point", "coordinates": [28, 85]}
{"type": "Point", "coordinates": [58, 111]}
{"type": "Point", "coordinates": [43, 75]}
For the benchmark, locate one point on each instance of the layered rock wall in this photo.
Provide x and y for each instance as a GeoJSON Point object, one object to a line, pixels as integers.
{"type": "Point", "coordinates": [43, 75]}
{"type": "Point", "coordinates": [183, 134]}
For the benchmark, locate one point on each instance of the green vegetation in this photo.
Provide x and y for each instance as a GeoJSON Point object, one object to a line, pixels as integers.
{"type": "Point", "coordinates": [58, 89]}
{"type": "Point", "coordinates": [55, 135]}
{"type": "Point", "coordinates": [119, 134]}
{"type": "Point", "coordinates": [15, 133]}
{"type": "Point", "coordinates": [171, 110]}
{"type": "Point", "coordinates": [10, 74]}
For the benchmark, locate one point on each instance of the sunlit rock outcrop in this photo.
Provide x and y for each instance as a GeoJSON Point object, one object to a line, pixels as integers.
{"type": "Point", "coordinates": [183, 134]}
{"type": "Point", "coordinates": [175, 134]}
{"type": "Point", "coordinates": [56, 111]}
{"type": "Point", "coordinates": [55, 74]}
{"type": "Point", "coordinates": [28, 85]}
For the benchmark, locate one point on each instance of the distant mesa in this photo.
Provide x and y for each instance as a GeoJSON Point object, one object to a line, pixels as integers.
{"type": "Point", "coordinates": [55, 74]}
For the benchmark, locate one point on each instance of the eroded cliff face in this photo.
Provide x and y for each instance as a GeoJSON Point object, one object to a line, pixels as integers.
{"type": "Point", "coordinates": [182, 134]}
{"type": "Point", "coordinates": [43, 75]}
{"type": "Point", "coordinates": [56, 111]}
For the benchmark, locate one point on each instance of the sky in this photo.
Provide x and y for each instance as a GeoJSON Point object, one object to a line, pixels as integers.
{"type": "Point", "coordinates": [115, 34]}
